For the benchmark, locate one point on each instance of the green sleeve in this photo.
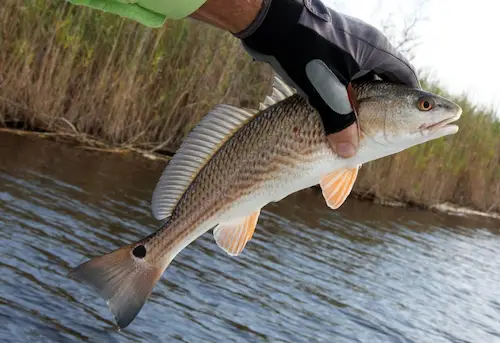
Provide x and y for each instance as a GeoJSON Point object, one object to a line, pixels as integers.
{"type": "Point", "coordinates": [152, 13]}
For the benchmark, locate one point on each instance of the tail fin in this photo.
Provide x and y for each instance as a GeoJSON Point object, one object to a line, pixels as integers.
{"type": "Point", "coordinates": [125, 281]}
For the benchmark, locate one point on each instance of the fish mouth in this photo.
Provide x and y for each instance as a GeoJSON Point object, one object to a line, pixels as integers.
{"type": "Point", "coordinates": [443, 124]}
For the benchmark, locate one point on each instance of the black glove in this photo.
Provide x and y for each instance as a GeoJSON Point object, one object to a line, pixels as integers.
{"type": "Point", "coordinates": [319, 51]}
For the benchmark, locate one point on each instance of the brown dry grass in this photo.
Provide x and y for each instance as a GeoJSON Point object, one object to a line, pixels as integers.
{"type": "Point", "coordinates": [70, 68]}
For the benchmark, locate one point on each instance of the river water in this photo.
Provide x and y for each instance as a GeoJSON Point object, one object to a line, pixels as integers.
{"type": "Point", "coordinates": [363, 273]}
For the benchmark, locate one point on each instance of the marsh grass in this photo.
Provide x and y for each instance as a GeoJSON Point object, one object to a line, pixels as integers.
{"type": "Point", "coordinates": [64, 67]}
{"type": "Point", "coordinates": [74, 70]}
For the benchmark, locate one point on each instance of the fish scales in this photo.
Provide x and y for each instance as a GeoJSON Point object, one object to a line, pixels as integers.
{"type": "Point", "coordinates": [236, 161]}
{"type": "Point", "coordinates": [274, 141]}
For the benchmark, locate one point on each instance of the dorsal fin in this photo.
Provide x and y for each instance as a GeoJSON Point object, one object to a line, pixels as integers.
{"type": "Point", "coordinates": [280, 91]}
{"type": "Point", "coordinates": [201, 144]}
{"type": "Point", "coordinates": [195, 151]}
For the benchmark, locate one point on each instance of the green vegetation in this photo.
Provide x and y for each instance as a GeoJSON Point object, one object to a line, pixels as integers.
{"type": "Point", "coordinates": [71, 69]}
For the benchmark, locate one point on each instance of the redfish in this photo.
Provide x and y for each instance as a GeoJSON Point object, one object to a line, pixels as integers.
{"type": "Point", "coordinates": [237, 160]}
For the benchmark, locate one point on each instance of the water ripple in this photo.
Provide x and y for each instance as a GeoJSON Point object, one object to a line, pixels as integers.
{"type": "Point", "coordinates": [360, 274]}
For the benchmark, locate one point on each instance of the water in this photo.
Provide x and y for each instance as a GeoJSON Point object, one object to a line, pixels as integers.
{"type": "Point", "coordinates": [364, 273]}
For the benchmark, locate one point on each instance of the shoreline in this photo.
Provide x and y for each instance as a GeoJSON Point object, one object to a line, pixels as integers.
{"type": "Point", "coordinates": [86, 142]}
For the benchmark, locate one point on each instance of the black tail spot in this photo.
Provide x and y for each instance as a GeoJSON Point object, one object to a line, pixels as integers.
{"type": "Point", "coordinates": [139, 251]}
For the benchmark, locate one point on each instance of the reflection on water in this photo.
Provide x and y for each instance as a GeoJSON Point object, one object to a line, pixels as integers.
{"type": "Point", "coordinates": [363, 273]}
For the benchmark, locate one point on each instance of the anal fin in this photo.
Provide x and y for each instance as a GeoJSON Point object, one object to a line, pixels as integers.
{"type": "Point", "coordinates": [337, 186]}
{"type": "Point", "coordinates": [233, 236]}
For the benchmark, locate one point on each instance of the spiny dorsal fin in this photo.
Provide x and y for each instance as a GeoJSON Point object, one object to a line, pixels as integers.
{"type": "Point", "coordinates": [195, 151]}
{"type": "Point", "coordinates": [234, 235]}
{"type": "Point", "coordinates": [281, 91]}
{"type": "Point", "coordinates": [337, 186]}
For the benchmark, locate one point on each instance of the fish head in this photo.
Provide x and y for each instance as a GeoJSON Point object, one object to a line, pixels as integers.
{"type": "Point", "coordinates": [398, 117]}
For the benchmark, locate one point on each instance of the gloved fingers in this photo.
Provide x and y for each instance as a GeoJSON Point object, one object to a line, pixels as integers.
{"type": "Point", "coordinates": [339, 120]}
{"type": "Point", "coordinates": [329, 87]}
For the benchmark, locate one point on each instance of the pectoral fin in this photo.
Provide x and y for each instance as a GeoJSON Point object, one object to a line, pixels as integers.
{"type": "Point", "coordinates": [233, 236]}
{"type": "Point", "coordinates": [337, 186]}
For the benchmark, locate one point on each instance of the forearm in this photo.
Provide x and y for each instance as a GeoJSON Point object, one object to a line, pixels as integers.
{"type": "Point", "coordinates": [230, 15]}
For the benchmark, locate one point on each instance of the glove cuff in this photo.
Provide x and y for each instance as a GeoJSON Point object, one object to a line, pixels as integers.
{"type": "Point", "coordinates": [255, 24]}
{"type": "Point", "coordinates": [274, 22]}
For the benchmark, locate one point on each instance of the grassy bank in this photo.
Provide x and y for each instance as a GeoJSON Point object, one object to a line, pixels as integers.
{"type": "Point", "coordinates": [65, 67]}
{"type": "Point", "coordinates": [71, 69]}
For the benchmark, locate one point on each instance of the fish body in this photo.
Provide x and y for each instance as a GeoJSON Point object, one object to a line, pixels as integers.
{"type": "Point", "coordinates": [236, 161]}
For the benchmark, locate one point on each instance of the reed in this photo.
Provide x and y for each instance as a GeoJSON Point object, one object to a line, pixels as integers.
{"type": "Point", "coordinates": [74, 70]}
{"type": "Point", "coordinates": [64, 67]}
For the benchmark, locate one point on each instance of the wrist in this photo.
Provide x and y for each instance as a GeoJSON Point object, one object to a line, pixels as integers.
{"type": "Point", "coordinates": [230, 15]}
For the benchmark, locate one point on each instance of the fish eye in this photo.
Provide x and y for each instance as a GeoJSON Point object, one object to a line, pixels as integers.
{"type": "Point", "coordinates": [425, 104]}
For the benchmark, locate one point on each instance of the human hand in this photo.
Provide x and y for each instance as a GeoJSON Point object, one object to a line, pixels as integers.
{"type": "Point", "coordinates": [319, 52]}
